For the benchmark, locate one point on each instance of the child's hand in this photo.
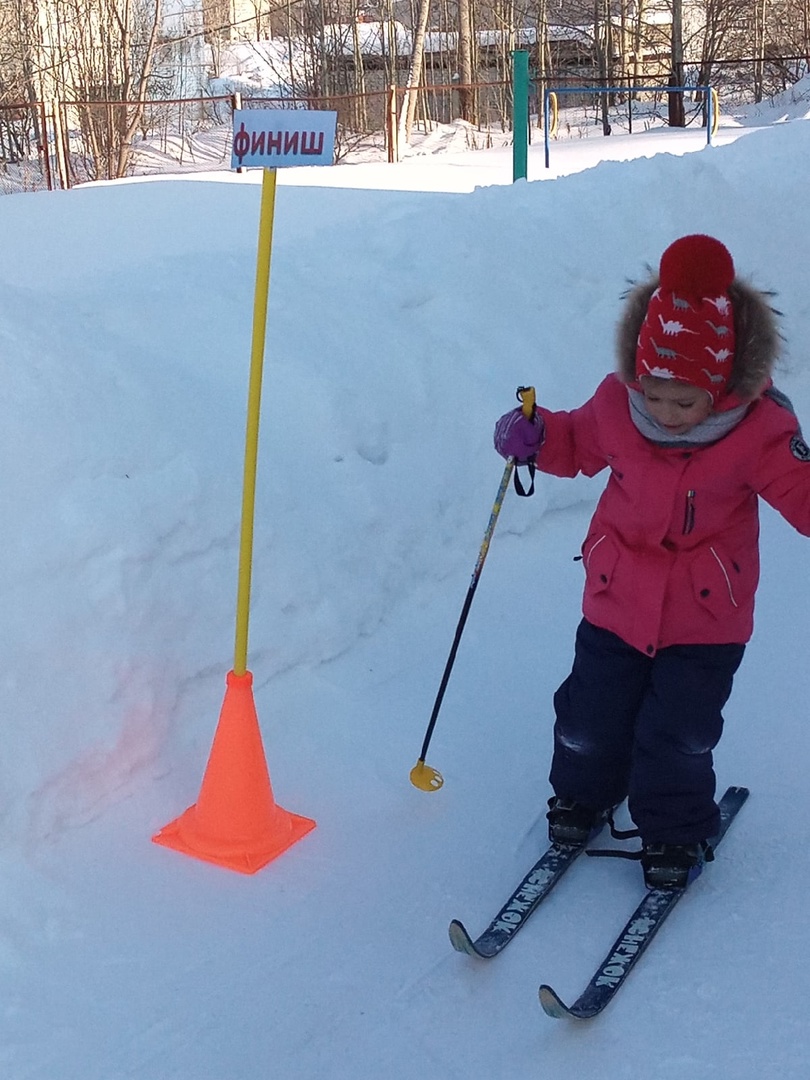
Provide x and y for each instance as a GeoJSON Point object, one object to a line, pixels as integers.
{"type": "Point", "coordinates": [518, 437]}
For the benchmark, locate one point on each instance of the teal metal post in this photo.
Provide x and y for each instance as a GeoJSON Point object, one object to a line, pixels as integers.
{"type": "Point", "coordinates": [520, 114]}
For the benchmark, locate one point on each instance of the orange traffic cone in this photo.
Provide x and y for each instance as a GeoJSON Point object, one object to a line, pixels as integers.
{"type": "Point", "coordinates": [235, 821]}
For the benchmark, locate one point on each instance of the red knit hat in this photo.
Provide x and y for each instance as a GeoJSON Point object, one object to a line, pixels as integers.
{"type": "Point", "coordinates": [688, 331]}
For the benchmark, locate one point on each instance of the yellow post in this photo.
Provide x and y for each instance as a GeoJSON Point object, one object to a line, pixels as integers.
{"type": "Point", "coordinates": [555, 113]}
{"type": "Point", "coordinates": [715, 111]}
{"type": "Point", "coordinates": [254, 406]}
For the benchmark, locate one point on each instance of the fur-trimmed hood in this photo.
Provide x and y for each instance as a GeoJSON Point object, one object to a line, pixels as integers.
{"type": "Point", "coordinates": [755, 327]}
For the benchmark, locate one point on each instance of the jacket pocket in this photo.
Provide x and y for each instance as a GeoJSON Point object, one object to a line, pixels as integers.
{"type": "Point", "coordinates": [599, 557]}
{"type": "Point", "coordinates": [718, 583]}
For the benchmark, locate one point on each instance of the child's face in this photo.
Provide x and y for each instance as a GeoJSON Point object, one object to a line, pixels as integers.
{"type": "Point", "coordinates": [676, 406]}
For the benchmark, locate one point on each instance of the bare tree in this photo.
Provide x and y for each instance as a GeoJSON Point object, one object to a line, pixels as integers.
{"type": "Point", "coordinates": [677, 114]}
{"type": "Point", "coordinates": [639, 43]}
{"type": "Point", "coordinates": [760, 12]}
{"type": "Point", "coordinates": [414, 72]}
{"type": "Point", "coordinates": [137, 63]}
{"type": "Point", "coordinates": [100, 51]}
{"type": "Point", "coordinates": [718, 19]}
{"type": "Point", "coordinates": [17, 49]}
{"type": "Point", "coordinates": [466, 95]}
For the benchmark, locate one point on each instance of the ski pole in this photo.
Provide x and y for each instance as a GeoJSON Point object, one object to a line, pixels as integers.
{"type": "Point", "coordinates": [424, 776]}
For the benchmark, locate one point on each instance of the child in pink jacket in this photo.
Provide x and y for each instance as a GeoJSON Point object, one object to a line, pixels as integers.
{"type": "Point", "coordinates": [693, 435]}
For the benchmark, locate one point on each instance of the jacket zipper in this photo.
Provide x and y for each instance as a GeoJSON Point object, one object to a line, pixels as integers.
{"type": "Point", "coordinates": [689, 513]}
{"type": "Point", "coordinates": [593, 549]}
{"type": "Point", "coordinates": [725, 575]}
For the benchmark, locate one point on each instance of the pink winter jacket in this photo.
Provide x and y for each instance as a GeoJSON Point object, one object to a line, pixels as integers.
{"type": "Point", "coordinates": [672, 553]}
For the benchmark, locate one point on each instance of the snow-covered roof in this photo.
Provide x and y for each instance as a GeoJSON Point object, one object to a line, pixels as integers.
{"type": "Point", "coordinates": [376, 39]}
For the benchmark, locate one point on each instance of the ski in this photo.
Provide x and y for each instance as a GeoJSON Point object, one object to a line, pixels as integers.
{"type": "Point", "coordinates": [534, 888]}
{"type": "Point", "coordinates": [639, 931]}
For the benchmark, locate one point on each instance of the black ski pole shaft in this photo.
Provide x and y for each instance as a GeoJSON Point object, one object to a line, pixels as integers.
{"type": "Point", "coordinates": [422, 775]}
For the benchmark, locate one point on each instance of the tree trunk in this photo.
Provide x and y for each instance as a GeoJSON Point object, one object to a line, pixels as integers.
{"type": "Point", "coordinates": [638, 41]}
{"type": "Point", "coordinates": [414, 73]}
{"type": "Point", "coordinates": [465, 64]}
{"type": "Point", "coordinates": [677, 116]}
{"type": "Point", "coordinates": [360, 114]}
{"type": "Point", "coordinates": [759, 50]}
{"type": "Point", "coordinates": [601, 39]}
{"type": "Point", "coordinates": [125, 146]}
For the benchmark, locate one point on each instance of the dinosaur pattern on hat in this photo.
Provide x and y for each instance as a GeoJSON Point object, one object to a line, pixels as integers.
{"type": "Point", "coordinates": [743, 376]}
{"type": "Point", "coordinates": [688, 329]}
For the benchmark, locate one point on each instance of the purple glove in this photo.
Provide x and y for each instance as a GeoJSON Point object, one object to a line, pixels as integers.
{"type": "Point", "coordinates": [519, 438]}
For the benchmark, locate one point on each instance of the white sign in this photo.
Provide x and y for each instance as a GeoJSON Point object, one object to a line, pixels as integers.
{"type": "Point", "coordinates": [275, 138]}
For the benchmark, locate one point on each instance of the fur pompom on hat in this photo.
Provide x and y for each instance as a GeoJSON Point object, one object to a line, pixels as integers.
{"type": "Point", "coordinates": [688, 331]}
{"type": "Point", "coordinates": [697, 322]}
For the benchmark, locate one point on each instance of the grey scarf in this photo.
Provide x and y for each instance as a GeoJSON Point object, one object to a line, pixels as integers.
{"type": "Point", "coordinates": [714, 427]}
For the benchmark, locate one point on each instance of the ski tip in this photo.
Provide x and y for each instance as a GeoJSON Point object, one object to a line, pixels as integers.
{"type": "Point", "coordinates": [737, 793]}
{"type": "Point", "coordinates": [460, 939]}
{"type": "Point", "coordinates": [556, 1008]}
{"type": "Point", "coordinates": [484, 948]}
{"type": "Point", "coordinates": [552, 1005]}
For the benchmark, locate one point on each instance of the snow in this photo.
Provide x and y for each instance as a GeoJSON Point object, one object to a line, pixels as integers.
{"type": "Point", "coordinates": [406, 305]}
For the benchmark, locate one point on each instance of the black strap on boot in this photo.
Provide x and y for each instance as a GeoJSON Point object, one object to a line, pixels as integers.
{"type": "Point", "coordinates": [617, 853]}
{"type": "Point", "coordinates": [621, 834]}
{"type": "Point", "coordinates": [614, 853]}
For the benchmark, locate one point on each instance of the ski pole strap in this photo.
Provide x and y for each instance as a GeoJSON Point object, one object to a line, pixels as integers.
{"type": "Point", "coordinates": [519, 488]}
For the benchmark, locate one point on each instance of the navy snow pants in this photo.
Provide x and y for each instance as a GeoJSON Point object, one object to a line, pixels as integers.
{"type": "Point", "coordinates": [643, 728]}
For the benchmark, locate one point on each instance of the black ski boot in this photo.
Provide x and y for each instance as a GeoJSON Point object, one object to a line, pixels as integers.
{"type": "Point", "coordinates": [572, 823]}
{"type": "Point", "coordinates": [673, 866]}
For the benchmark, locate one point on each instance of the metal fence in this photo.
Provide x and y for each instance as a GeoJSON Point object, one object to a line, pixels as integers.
{"type": "Point", "coordinates": [25, 161]}
{"type": "Point", "coordinates": [47, 145]}
{"type": "Point", "coordinates": [64, 143]}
